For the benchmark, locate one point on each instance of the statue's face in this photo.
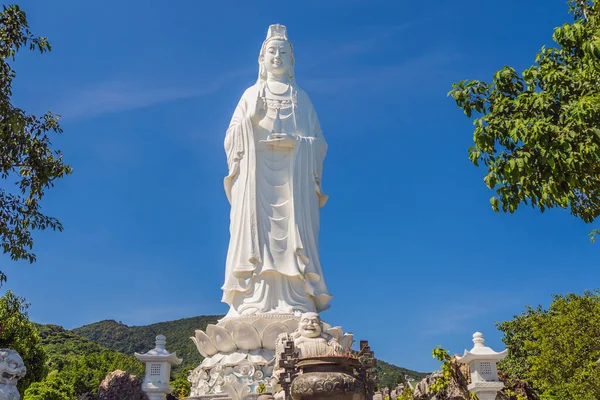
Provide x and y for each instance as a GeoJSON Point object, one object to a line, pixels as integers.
{"type": "Point", "coordinates": [278, 57]}
{"type": "Point", "coordinates": [310, 325]}
{"type": "Point", "coordinates": [11, 367]}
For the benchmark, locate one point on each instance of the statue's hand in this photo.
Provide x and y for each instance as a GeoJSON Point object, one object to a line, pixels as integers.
{"type": "Point", "coordinates": [280, 140]}
{"type": "Point", "coordinates": [260, 108]}
{"type": "Point", "coordinates": [336, 348]}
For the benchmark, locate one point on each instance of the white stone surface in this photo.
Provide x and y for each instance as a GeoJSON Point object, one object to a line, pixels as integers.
{"type": "Point", "coordinates": [482, 362]}
{"type": "Point", "coordinates": [158, 369]}
{"type": "Point", "coordinates": [251, 357]}
{"type": "Point", "coordinates": [275, 151]}
{"type": "Point", "coordinates": [311, 340]}
{"type": "Point", "coordinates": [12, 369]}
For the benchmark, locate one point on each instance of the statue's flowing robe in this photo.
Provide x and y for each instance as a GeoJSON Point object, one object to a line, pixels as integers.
{"type": "Point", "coordinates": [275, 195]}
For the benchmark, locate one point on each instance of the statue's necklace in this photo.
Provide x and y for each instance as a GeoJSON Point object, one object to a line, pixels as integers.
{"type": "Point", "coordinates": [277, 94]}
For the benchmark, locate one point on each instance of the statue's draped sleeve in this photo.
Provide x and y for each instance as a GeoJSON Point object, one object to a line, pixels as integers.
{"type": "Point", "coordinates": [234, 144]}
{"type": "Point", "coordinates": [240, 188]}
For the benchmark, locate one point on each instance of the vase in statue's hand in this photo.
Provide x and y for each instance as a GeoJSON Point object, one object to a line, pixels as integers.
{"type": "Point", "coordinates": [280, 140]}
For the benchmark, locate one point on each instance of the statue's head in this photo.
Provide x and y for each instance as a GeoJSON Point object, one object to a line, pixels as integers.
{"type": "Point", "coordinates": [12, 367]}
{"type": "Point", "coordinates": [276, 54]}
{"type": "Point", "coordinates": [310, 325]}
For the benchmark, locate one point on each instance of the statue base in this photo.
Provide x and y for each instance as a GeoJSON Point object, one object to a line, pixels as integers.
{"type": "Point", "coordinates": [239, 354]}
{"type": "Point", "coordinates": [209, 397]}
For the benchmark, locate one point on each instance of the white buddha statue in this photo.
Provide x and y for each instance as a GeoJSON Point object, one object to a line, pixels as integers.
{"type": "Point", "coordinates": [275, 151]}
{"type": "Point", "coordinates": [311, 341]}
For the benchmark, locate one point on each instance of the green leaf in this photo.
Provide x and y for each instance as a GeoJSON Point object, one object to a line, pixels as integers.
{"type": "Point", "coordinates": [535, 128]}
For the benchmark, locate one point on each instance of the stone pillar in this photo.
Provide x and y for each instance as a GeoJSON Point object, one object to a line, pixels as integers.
{"type": "Point", "coordinates": [12, 369]}
{"type": "Point", "coordinates": [158, 370]}
{"type": "Point", "coordinates": [482, 364]}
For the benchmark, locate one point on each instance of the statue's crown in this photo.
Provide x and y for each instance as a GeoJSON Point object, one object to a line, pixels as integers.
{"type": "Point", "coordinates": [277, 31]}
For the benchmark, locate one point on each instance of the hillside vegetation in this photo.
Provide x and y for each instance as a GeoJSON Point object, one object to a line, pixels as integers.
{"type": "Point", "coordinates": [129, 339]}
{"type": "Point", "coordinates": [391, 375]}
{"type": "Point", "coordinates": [63, 346]}
{"type": "Point", "coordinates": [76, 366]}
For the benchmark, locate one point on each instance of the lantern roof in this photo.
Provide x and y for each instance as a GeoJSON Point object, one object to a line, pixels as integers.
{"type": "Point", "coordinates": [159, 353]}
{"type": "Point", "coordinates": [480, 351]}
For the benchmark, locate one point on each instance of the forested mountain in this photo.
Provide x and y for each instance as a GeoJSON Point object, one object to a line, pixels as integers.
{"type": "Point", "coordinates": [76, 366]}
{"type": "Point", "coordinates": [62, 345]}
{"type": "Point", "coordinates": [390, 375]}
{"type": "Point", "coordinates": [130, 339]}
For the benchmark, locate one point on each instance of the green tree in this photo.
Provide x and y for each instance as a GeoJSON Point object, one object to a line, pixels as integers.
{"type": "Point", "coordinates": [451, 374]}
{"type": "Point", "coordinates": [77, 366]}
{"type": "Point", "coordinates": [51, 388]}
{"type": "Point", "coordinates": [86, 373]}
{"type": "Point", "coordinates": [19, 334]}
{"type": "Point", "coordinates": [81, 377]}
{"type": "Point", "coordinates": [179, 382]}
{"type": "Point", "coordinates": [64, 347]}
{"type": "Point", "coordinates": [538, 132]}
{"type": "Point", "coordinates": [181, 387]}
{"type": "Point", "coordinates": [407, 394]}
{"type": "Point", "coordinates": [556, 349]}
{"type": "Point", "coordinates": [26, 154]}
{"type": "Point", "coordinates": [517, 332]}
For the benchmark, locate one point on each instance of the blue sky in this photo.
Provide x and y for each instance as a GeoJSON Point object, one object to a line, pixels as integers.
{"type": "Point", "coordinates": [411, 250]}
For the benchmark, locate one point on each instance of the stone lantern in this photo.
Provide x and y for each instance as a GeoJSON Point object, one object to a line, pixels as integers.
{"type": "Point", "coordinates": [158, 370]}
{"type": "Point", "coordinates": [482, 363]}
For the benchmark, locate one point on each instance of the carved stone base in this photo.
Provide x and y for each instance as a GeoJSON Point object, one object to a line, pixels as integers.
{"type": "Point", "coordinates": [485, 390]}
{"type": "Point", "coordinates": [233, 382]}
{"type": "Point", "coordinates": [210, 397]}
{"type": "Point", "coordinates": [240, 354]}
